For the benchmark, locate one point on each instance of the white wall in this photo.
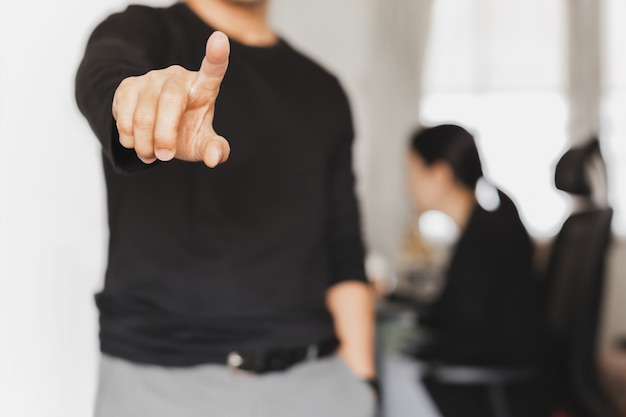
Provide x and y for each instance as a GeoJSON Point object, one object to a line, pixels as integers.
{"type": "Point", "coordinates": [52, 218]}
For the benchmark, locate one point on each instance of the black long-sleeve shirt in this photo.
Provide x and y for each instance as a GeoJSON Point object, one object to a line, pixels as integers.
{"type": "Point", "coordinates": [205, 261]}
{"type": "Point", "coordinates": [489, 311]}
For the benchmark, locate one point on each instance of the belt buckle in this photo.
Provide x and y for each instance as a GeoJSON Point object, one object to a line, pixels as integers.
{"type": "Point", "coordinates": [234, 360]}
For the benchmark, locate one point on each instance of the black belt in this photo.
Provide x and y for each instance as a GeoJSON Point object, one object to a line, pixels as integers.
{"type": "Point", "coordinates": [279, 359]}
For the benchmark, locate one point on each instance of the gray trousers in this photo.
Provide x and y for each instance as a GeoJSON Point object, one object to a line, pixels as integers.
{"type": "Point", "coordinates": [318, 388]}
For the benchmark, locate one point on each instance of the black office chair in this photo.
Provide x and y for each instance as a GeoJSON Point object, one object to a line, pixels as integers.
{"type": "Point", "coordinates": [574, 285]}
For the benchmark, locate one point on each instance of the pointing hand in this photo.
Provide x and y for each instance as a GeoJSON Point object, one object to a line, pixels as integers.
{"type": "Point", "coordinates": [168, 113]}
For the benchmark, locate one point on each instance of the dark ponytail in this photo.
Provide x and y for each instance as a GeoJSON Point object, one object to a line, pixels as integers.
{"type": "Point", "coordinates": [452, 144]}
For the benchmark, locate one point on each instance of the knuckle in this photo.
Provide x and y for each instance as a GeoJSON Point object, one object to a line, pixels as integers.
{"type": "Point", "coordinates": [127, 141]}
{"type": "Point", "coordinates": [124, 85]}
{"type": "Point", "coordinates": [124, 127]}
{"type": "Point", "coordinates": [176, 70]}
{"type": "Point", "coordinates": [173, 71]}
{"type": "Point", "coordinates": [128, 81]}
{"type": "Point", "coordinates": [150, 75]}
{"type": "Point", "coordinates": [171, 95]}
{"type": "Point", "coordinates": [165, 137]}
{"type": "Point", "coordinates": [143, 119]}
{"type": "Point", "coordinates": [124, 88]}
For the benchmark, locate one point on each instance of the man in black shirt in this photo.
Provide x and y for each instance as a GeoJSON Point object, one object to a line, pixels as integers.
{"type": "Point", "coordinates": [235, 282]}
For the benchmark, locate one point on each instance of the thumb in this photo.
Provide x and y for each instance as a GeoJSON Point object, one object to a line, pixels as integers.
{"type": "Point", "coordinates": [216, 150]}
{"type": "Point", "coordinates": [213, 67]}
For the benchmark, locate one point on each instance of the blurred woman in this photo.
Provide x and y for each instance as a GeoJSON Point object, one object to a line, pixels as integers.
{"type": "Point", "coordinates": [482, 352]}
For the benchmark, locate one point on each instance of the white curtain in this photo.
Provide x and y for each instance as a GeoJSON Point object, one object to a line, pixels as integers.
{"type": "Point", "coordinates": [613, 134]}
{"type": "Point", "coordinates": [613, 115]}
{"type": "Point", "coordinates": [51, 216]}
{"type": "Point", "coordinates": [499, 68]}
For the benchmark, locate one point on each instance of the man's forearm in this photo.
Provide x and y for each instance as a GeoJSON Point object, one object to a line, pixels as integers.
{"type": "Point", "coordinates": [351, 304]}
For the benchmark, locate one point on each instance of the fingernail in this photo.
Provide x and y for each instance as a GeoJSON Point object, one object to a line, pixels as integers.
{"type": "Point", "coordinates": [164, 154]}
{"type": "Point", "coordinates": [147, 161]}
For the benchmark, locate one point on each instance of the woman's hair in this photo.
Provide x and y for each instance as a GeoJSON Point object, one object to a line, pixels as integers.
{"type": "Point", "coordinates": [452, 144]}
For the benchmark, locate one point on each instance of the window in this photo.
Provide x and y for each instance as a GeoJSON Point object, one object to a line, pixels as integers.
{"type": "Point", "coordinates": [498, 67]}
{"type": "Point", "coordinates": [613, 133]}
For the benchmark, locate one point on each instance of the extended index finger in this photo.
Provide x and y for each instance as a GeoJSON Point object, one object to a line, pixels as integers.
{"type": "Point", "coordinates": [212, 69]}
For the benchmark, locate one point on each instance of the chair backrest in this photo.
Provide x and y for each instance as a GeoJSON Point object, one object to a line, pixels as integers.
{"type": "Point", "coordinates": [575, 283]}
{"type": "Point", "coordinates": [581, 172]}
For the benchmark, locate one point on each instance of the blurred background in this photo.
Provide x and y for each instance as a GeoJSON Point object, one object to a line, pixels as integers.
{"type": "Point", "coordinates": [529, 78]}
